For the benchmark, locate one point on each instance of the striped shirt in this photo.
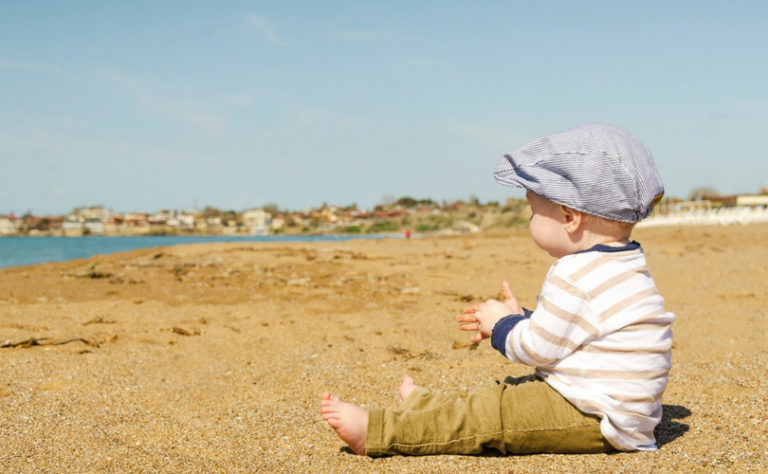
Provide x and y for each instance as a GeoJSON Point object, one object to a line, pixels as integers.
{"type": "Point", "coordinates": [600, 336]}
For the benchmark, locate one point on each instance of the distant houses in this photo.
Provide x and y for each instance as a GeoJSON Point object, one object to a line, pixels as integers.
{"type": "Point", "coordinates": [9, 224]}
{"type": "Point", "coordinates": [132, 223]}
{"type": "Point", "coordinates": [405, 215]}
{"type": "Point", "coordinates": [257, 221]}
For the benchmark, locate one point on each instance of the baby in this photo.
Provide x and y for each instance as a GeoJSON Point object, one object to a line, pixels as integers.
{"type": "Point", "coordinates": [599, 338]}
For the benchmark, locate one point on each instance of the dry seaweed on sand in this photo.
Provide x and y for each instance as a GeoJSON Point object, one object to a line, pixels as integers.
{"type": "Point", "coordinates": [45, 341]}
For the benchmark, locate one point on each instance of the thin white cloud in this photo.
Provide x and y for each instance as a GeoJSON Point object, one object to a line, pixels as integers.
{"type": "Point", "coordinates": [368, 35]}
{"type": "Point", "coordinates": [122, 80]}
{"type": "Point", "coordinates": [185, 111]}
{"type": "Point", "coordinates": [718, 116]}
{"type": "Point", "coordinates": [29, 66]}
{"type": "Point", "coordinates": [422, 61]}
{"type": "Point", "coordinates": [299, 119]}
{"type": "Point", "coordinates": [82, 147]}
{"type": "Point", "coordinates": [240, 100]}
{"type": "Point", "coordinates": [264, 28]}
{"type": "Point", "coordinates": [41, 141]}
{"type": "Point", "coordinates": [181, 110]}
{"type": "Point", "coordinates": [304, 120]}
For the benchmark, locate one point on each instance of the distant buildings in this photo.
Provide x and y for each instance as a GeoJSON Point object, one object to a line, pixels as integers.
{"type": "Point", "coordinates": [257, 220]}
{"type": "Point", "coordinates": [454, 217]}
{"type": "Point", "coordinates": [752, 200]}
{"type": "Point", "coordinates": [714, 210]}
{"type": "Point", "coordinates": [9, 224]}
{"type": "Point", "coordinates": [97, 220]}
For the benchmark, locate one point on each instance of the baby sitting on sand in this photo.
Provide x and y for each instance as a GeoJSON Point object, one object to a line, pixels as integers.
{"type": "Point", "coordinates": [599, 338]}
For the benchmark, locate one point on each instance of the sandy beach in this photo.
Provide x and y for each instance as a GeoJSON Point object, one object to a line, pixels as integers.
{"type": "Point", "coordinates": [212, 357]}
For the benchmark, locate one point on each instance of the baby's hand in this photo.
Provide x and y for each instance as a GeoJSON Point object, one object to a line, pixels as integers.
{"type": "Point", "coordinates": [484, 317]}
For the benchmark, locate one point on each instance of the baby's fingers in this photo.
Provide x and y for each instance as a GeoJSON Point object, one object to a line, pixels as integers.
{"type": "Point", "coordinates": [466, 318]}
{"type": "Point", "coordinates": [506, 292]}
{"type": "Point", "coordinates": [470, 327]}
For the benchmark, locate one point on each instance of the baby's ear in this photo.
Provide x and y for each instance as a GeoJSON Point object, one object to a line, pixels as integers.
{"type": "Point", "coordinates": [571, 219]}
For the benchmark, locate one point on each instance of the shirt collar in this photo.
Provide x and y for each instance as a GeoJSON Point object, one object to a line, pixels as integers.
{"type": "Point", "coordinates": [633, 245]}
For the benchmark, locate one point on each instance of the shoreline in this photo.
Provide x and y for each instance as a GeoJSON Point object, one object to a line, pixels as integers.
{"type": "Point", "coordinates": [182, 235]}
{"type": "Point", "coordinates": [25, 251]}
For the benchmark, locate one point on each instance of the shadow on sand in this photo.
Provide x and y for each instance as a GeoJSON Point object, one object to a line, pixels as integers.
{"type": "Point", "coordinates": [669, 430]}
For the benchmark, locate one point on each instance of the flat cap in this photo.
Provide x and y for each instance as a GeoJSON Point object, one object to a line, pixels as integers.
{"type": "Point", "coordinates": [595, 168]}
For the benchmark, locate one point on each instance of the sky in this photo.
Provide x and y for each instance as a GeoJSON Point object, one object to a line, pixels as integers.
{"type": "Point", "coordinates": [148, 105]}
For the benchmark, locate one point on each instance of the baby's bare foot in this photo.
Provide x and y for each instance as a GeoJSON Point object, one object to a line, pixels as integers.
{"type": "Point", "coordinates": [349, 421]}
{"type": "Point", "coordinates": [406, 386]}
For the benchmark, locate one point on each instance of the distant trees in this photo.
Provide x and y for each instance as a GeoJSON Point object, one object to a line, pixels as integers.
{"type": "Point", "coordinates": [209, 212]}
{"type": "Point", "coordinates": [272, 208]}
{"type": "Point", "coordinates": [227, 216]}
{"type": "Point", "coordinates": [406, 202]}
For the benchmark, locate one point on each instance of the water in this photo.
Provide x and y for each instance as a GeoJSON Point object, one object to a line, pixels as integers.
{"type": "Point", "coordinates": [29, 250]}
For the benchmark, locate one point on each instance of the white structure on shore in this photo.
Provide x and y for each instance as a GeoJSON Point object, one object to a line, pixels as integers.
{"type": "Point", "coordinates": [748, 210]}
{"type": "Point", "coordinates": [9, 224]}
{"type": "Point", "coordinates": [257, 220]}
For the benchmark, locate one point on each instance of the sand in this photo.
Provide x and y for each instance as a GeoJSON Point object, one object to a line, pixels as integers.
{"type": "Point", "coordinates": [212, 357]}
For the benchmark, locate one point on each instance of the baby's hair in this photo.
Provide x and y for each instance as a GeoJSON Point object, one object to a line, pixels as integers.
{"type": "Point", "coordinates": [611, 226]}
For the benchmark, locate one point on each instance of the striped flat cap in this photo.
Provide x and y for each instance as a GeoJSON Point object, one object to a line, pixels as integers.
{"type": "Point", "coordinates": [594, 168]}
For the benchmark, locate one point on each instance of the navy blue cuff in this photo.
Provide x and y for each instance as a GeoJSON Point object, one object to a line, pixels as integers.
{"type": "Point", "coordinates": [527, 312]}
{"type": "Point", "coordinates": [501, 330]}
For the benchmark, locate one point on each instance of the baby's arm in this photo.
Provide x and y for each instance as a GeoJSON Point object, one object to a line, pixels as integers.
{"type": "Point", "coordinates": [561, 324]}
{"type": "Point", "coordinates": [484, 317]}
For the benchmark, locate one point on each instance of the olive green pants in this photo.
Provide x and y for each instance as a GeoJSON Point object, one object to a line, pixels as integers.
{"type": "Point", "coordinates": [519, 416]}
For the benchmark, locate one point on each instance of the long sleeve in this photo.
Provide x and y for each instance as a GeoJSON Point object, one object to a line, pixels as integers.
{"type": "Point", "coordinates": [560, 324]}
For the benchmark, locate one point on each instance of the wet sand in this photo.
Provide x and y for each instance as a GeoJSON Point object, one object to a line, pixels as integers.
{"type": "Point", "coordinates": [212, 357]}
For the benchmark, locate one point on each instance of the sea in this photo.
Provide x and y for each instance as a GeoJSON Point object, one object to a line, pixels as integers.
{"type": "Point", "coordinates": [15, 251]}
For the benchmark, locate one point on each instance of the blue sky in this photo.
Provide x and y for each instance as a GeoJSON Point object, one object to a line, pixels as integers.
{"type": "Point", "coordinates": [150, 105]}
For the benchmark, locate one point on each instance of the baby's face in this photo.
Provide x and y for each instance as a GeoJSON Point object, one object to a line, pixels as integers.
{"type": "Point", "coordinates": [548, 226]}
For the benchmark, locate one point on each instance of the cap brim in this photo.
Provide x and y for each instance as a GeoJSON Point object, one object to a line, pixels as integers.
{"type": "Point", "coordinates": [505, 173]}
